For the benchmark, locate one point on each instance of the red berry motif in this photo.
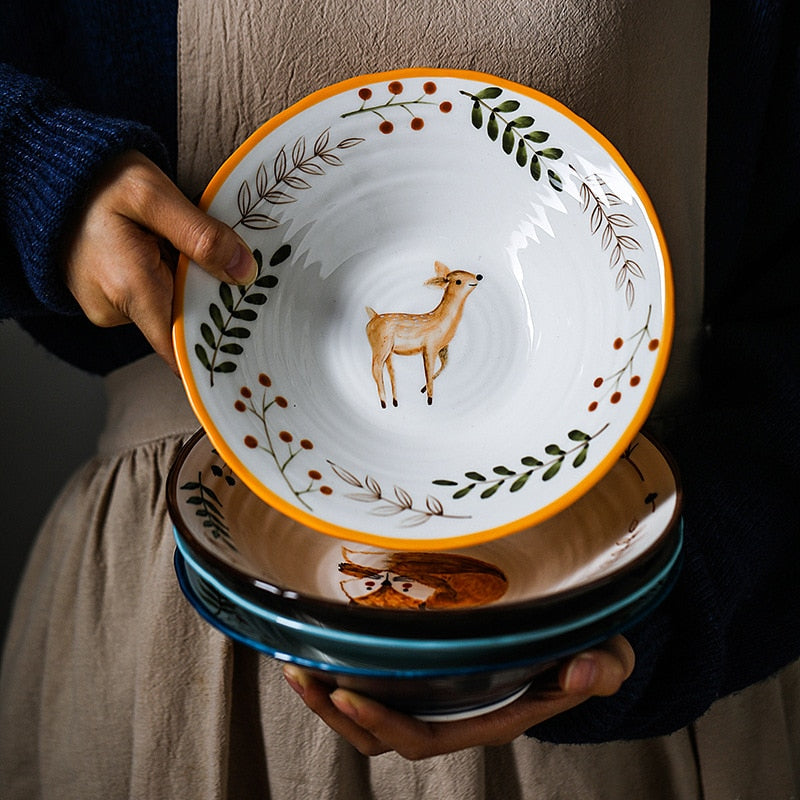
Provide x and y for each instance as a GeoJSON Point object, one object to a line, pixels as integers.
{"type": "Point", "coordinates": [395, 101]}
{"type": "Point", "coordinates": [613, 381]}
{"type": "Point", "coordinates": [281, 445]}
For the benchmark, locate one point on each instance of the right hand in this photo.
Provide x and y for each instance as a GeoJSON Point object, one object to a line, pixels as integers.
{"type": "Point", "coordinates": [122, 249]}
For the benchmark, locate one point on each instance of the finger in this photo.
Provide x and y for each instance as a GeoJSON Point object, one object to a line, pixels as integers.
{"type": "Point", "coordinates": [415, 739]}
{"type": "Point", "coordinates": [159, 206]}
{"type": "Point", "coordinates": [317, 697]}
{"type": "Point", "coordinates": [595, 672]}
{"type": "Point", "coordinates": [600, 671]}
{"type": "Point", "coordinates": [207, 241]}
{"type": "Point", "coordinates": [150, 309]}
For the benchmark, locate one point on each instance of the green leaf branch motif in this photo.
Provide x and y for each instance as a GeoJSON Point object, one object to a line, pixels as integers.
{"type": "Point", "coordinates": [222, 335]}
{"type": "Point", "coordinates": [208, 506]}
{"type": "Point", "coordinates": [516, 479]}
{"type": "Point", "coordinates": [400, 503]}
{"type": "Point", "coordinates": [500, 125]}
{"type": "Point", "coordinates": [611, 385]}
{"type": "Point", "coordinates": [598, 199]}
{"type": "Point", "coordinates": [280, 444]}
{"type": "Point", "coordinates": [276, 188]}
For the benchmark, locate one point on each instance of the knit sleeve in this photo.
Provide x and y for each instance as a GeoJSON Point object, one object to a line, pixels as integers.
{"type": "Point", "coordinates": [733, 618]}
{"type": "Point", "coordinates": [50, 151]}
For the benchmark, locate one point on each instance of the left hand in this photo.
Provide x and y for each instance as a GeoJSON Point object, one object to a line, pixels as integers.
{"type": "Point", "coordinates": [374, 729]}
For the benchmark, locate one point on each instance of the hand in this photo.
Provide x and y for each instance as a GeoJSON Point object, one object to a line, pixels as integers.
{"type": "Point", "coordinates": [374, 729]}
{"type": "Point", "coordinates": [120, 256]}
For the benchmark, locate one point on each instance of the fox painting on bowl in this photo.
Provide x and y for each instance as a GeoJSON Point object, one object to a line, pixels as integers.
{"type": "Point", "coordinates": [419, 581]}
{"type": "Point", "coordinates": [429, 333]}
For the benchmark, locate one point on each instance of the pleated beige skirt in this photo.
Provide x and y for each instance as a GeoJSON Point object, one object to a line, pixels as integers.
{"type": "Point", "coordinates": [113, 687]}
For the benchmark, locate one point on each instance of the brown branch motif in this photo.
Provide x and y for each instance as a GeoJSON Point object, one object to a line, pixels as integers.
{"type": "Point", "coordinates": [290, 173]}
{"type": "Point", "coordinates": [400, 503]}
{"type": "Point", "coordinates": [598, 198]}
{"type": "Point", "coordinates": [280, 444]}
{"type": "Point", "coordinates": [612, 384]}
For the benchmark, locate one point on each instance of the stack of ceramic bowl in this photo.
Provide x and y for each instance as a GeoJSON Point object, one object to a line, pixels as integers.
{"type": "Point", "coordinates": [438, 549]}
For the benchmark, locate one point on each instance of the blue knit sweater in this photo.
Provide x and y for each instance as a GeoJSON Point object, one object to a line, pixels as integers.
{"type": "Point", "coordinates": [734, 616]}
{"type": "Point", "coordinates": [92, 79]}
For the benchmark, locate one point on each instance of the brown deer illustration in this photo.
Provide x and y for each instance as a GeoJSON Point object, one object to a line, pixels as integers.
{"type": "Point", "coordinates": [429, 334]}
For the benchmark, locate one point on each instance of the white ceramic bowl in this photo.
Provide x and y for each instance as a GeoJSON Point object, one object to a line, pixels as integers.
{"type": "Point", "coordinates": [599, 552]}
{"type": "Point", "coordinates": [548, 298]}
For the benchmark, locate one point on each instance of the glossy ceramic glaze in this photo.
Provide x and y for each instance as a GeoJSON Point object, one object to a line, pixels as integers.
{"type": "Point", "coordinates": [435, 691]}
{"type": "Point", "coordinates": [417, 224]}
{"type": "Point", "coordinates": [481, 647]}
{"type": "Point", "coordinates": [594, 553]}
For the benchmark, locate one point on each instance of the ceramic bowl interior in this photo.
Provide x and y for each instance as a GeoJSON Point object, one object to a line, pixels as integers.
{"type": "Point", "coordinates": [476, 648]}
{"type": "Point", "coordinates": [417, 224]}
{"type": "Point", "coordinates": [435, 692]}
{"type": "Point", "coordinates": [596, 552]}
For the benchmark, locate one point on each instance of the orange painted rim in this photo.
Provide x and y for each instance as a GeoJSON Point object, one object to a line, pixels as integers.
{"type": "Point", "coordinates": [543, 512]}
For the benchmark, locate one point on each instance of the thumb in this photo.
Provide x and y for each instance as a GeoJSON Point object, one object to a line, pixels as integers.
{"type": "Point", "coordinates": [213, 246]}
{"type": "Point", "coordinates": [163, 209]}
{"type": "Point", "coordinates": [600, 671]}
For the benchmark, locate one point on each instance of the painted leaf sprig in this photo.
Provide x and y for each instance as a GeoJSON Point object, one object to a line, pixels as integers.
{"type": "Point", "coordinates": [279, 444]}
{"type": "Point", "coordinates": [289, 173]}
{"type": "Point", "coordinates": [513, 133]}
{"type": "Point", "coordinates": [599, 201]}
{"type": "Point", "coordinates": [228, 317]}
{"type": "Point", "coordinates": [209, 508]}
{"type": "Point", "coordinates": [516, 479]}
{"type": "Point", "coordinates": [389, 506]}
{"type": "Point", "coordinates": [611, 386]}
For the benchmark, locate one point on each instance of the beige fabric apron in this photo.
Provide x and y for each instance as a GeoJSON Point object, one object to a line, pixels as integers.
{"type": "Point", "coordinates": [635, 69]}
{"type": "Point", "coordinates": [112, 687]}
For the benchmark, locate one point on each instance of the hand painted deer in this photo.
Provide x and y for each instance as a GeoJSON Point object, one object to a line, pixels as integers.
{"type": "Point", "coordinates": [429, 334]}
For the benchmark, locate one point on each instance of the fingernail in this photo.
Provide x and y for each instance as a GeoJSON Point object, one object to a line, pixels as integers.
{"type": "Point", "coordinates": [293, 679]}
{"type": "Point", "coordinates": [242, 267]}
{"type": "Point", "coordinates": [581, 674]}
{"type": "Point", "coordinates": [342, 702]}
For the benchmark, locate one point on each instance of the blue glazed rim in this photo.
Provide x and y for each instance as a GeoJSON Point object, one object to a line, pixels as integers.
{"type": "Point", "coordinates": [560, 646]}
{"type": "Point", "coordinates": [384, 643]}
